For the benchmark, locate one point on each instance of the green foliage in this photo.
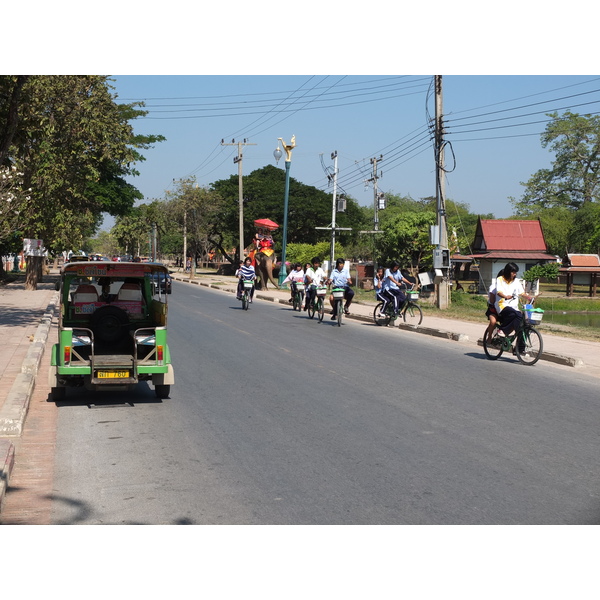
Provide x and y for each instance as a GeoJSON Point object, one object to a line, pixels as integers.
{"type": "Point", "coordinates": [75, 146]}
{"type": "Point", "coordinates": [304, 253]}
{"type": "Point", "coordinates": [566, 196]}
{"type": "Point", "coordinates": [405, 238]}
{"type": "Point", "coordinates": [263, 192]}
{"type": "Point", "coordinates": [548, 271]}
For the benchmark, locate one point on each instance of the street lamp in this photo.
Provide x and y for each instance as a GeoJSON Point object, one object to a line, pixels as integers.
{"type": "Point", "coordinates": [288, 159]}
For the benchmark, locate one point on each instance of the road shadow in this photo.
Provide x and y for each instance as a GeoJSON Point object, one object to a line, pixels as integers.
{"type": "Point", "coordinates": [79, 396]}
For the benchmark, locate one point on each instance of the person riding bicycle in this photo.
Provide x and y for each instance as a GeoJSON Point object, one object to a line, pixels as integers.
{"type": "Point", "coordinates": [508, 290]}
{"type": "Point", "coordinates": [379, 287]}
{"type": "Point", "coordinates": [245, 272]}
{"type": "Point", "coordinates": [491, 313]}
{"type": "Point", "coordinates": [296, 276]}
{"type": "Point", "coordinates": [314, 278]}
{"type": "Point", "coordinates": [340, 278]}
{"type": "Point", "coordinates": [393, 281]}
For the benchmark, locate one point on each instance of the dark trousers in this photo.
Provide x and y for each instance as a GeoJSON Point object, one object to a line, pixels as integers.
{"type": "Point", "coordinates": [348, 295]}
{"type": "Point", "coordinates": [240, 289]}
{"type": "Point", "coordinates": [311, 292]}
{"type": "Point", "coordinates": [397, 297]}
{"type": "Point", "coordinates": [510, 319]}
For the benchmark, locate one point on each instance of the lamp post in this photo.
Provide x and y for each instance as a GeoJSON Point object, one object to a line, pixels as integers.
{"type": "Point", "coordinates": [288, 159]}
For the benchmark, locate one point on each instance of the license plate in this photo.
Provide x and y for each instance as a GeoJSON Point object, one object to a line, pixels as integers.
{"type": "Point", "coordinates": [113, 374]}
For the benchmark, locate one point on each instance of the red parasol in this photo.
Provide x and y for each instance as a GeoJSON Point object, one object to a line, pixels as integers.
{"type": "Point", "coordinates": [266, 223]}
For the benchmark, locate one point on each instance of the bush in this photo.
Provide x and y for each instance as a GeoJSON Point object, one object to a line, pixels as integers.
{"type": "Point", "coordinates": [549, 271]}
{"type": "Point", "coordinates": [304, 253]}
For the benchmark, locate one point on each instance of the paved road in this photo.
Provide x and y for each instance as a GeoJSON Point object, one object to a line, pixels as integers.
{"type": "Point", "coordinates": [277, 419]}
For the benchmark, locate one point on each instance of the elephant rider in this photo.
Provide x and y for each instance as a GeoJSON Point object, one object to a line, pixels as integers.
{"type": "Point", "coordinates": [245, 272]}
{"type": "Point", "coordinates": [296, 275]}
{"type": "Point", "coordinates": [340, 278]}
{"type": "Point", "coordinates": [314, 278]}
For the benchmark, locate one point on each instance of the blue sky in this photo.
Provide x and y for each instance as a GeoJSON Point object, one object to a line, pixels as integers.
{"type": "Point", "coordinates": [493, 129]}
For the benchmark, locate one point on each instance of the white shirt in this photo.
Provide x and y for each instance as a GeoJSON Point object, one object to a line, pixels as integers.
{"type": "Point", "coordinates": [513, 288]}
{"type": "Point", "coordinates": [317, 275]}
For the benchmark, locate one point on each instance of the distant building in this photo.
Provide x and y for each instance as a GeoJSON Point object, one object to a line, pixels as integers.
{"type": "Point", "coordinates": [581, 269]}
{"type": "Point", "coordinates": [500, 241]}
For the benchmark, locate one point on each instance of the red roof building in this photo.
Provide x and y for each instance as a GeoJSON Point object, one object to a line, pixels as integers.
{"type": "Point", "coordinates": [582, 269]}
{"type": "Point", "coordinates": [500, 241]}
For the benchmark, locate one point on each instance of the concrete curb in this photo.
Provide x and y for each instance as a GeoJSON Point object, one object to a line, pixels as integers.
{"type": "Point", "coordinates": [7, 458]}
{"type": "Point", "coordinates": [14, 411]}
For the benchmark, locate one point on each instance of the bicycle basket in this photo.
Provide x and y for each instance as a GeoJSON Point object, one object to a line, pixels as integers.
{"type": "Point", "coordinates": [248, 283]}
{"type": "Point", "coordinates": [338, 292]}
{"type": "Point", "coordinates": [300, 286]}
{"type": "Point", "coordinates": [533, 315]}
{"type": "Point", "coordinates": [413, 296]}
{"type": "Point", "coordinates": [321, 291]}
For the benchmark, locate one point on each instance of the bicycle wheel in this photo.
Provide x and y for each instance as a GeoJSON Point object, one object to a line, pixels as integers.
{"type": "Point", "coordinates": [381, 321]}
{"type": "Point", "coordinates": [320, 309]}
{"type": "Point", "coordinates": [493, 347]}
{"type": "Point", "coordinates": [245, 298]}
{"type": "Point", "coordinates": [413, 315]}
{"type": "Point", "coordinates": [311, 308]}
{"type": "Point", "coordinates": [340, 312]}
{"type": "Point", "coordinates": [534, 346]}
{"type": "Point", "coordinates": [296, 302]}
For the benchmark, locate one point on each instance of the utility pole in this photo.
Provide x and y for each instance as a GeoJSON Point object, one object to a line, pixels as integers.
{"type": "Point", "coordinates": [334, 156]}
{"type": "Point", "coordinates": [238, 160]}
{"type": "Point", "coordinates": [374, 179]}
{"type": "Point", "coordinates": [442, 252]}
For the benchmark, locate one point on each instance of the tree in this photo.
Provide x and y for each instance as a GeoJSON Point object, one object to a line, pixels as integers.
{"type": "Point", "coordinates": [197, 209]}
{"type": "Point", "coordinates": [565, 197]}
{"type": "Point", "coordinates": [308, 207]}
{"type": "Point", "coordinates": [74, 145]}
{"type": "Point", "coordinates": [573, 179]}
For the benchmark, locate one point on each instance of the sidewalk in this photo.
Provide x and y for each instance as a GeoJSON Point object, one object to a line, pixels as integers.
{"type": "Point", "coordinates": [26, 316]}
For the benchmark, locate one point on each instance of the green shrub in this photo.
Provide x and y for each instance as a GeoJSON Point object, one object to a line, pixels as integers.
{"type": "Point", "coordinates": [304, 253]}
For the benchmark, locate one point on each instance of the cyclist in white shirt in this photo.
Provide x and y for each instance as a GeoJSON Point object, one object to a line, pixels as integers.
{"type": "Point", "coordinates": [314, 278]}
{"type": "Point", "coordinates": [340, 278]}
{"type": "Point", "coordinates": [296, 275]}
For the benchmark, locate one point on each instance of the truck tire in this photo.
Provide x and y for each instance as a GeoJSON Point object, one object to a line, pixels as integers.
{"type": "Point", "coordinates": [109, 323]}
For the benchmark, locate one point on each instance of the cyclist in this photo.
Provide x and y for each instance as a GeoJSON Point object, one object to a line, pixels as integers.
{"type": "Point", "coordinates": [393, 281]}
{"type": "Point", "coordinates": [296, 274]}
{"type": "Point", "coordinates": [340, 278]}
{"type": "Point", "coordinates": [246, 271]}
{"type": "Point", "coordinates": [508, 290]}
{"type": "Point", "coordinates": [379, 287]}
{"type": "Point", "coordinates": [314, 278]}
{"type": "Point", "coordinates": [491, 313]}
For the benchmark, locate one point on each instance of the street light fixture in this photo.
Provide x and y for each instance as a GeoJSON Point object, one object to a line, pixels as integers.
{"type": "Point", "coordinates": [288, 159]}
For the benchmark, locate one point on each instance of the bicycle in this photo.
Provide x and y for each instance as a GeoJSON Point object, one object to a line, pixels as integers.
{"type": "Point", "coordinates": [409, 310]}
{"type": "Point", "coordinates": [298, 296]}
{"type": "Point", "coordinates": [526, 342]}
{"type": "Point", "coordinates": [338, 303]}
{"type": "Point", "coordinates": [317, 303]}
{"type": "Point", "coordinates": [247, 295]}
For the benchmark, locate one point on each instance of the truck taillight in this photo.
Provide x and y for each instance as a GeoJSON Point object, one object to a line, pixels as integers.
{"type": "Point", "coordinates": [67, 355]}
{"type": "Point", "coordinates": [160, 355]}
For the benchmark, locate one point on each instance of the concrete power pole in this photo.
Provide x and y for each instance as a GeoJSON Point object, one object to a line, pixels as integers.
{"type": "Point", "coordinates": [334, 155]}
{"type": "Point", "coordinates": [443, 296]}
{"type": "Point", "coordinates": [374, 179]}
{"type": "Point", "coordinates": [238, 160]}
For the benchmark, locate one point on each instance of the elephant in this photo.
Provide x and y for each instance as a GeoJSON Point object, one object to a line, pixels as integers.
{"type": "Point", "coordinates": [264, 268]}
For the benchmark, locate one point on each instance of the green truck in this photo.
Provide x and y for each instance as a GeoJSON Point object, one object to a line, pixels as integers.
{"type": "Point", "coordinates": [112, 328]}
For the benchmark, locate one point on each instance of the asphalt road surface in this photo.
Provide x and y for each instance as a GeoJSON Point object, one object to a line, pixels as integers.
{"type": "Point", "coordinates": [277, 419]}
